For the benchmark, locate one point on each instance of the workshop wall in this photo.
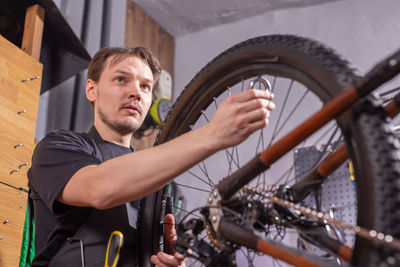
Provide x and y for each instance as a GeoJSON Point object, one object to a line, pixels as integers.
{"type": "Point", "coordinates": [104, 28]}
{"type": "Point", "coordinates": [363, 31]}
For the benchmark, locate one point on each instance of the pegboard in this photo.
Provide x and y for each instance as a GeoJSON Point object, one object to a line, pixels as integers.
{"type": "Point", "coordinates": [338, 191]}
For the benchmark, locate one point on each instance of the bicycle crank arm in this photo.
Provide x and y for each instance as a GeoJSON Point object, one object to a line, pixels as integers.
{"type": "Point", "coordinates": [244, 237]}
{"type": "Point", "coordinates": [231, 184]}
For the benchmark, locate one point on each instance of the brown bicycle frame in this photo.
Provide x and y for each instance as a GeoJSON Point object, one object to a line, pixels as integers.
{"type": "Point", "coordinates": [227, 187]}
{"type": "Point", "coordinates": [381, 73]}
{"type": "Point", "coordinates": [317, 175]}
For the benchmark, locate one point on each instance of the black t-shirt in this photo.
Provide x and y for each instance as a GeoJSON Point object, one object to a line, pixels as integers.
{"type": "Point", "coordinates": [55, 160]}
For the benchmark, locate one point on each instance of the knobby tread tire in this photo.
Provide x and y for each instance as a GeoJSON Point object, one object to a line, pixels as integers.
{"type": "Point", "coordinates": [382, 202]}
{"type": "Point", "coordinates": [369, 138]}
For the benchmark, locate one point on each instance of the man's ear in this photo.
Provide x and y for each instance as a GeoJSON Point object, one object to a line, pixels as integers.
{"type": "Point", "coordinates": [91, 90]}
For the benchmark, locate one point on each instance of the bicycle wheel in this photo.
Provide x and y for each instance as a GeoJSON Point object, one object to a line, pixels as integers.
{"type": "Point", "coordinates": [304, 75]}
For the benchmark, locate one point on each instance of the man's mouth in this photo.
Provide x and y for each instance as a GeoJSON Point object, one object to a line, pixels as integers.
{"type": "Point", "coordinates": [132, 109]}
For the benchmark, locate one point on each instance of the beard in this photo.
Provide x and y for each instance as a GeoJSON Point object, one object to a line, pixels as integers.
{"type": "Point", "coordinates": [122, 127]}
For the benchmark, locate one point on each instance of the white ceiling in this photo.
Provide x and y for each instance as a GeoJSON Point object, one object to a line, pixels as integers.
{"type": "Point", "coordinates": [180, 17]}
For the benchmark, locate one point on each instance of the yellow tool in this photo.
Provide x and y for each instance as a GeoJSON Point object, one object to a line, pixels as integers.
{"type": "Point", "coordinates": [352, 177]}
{"type": "Point", "coordinates": [115, 242]}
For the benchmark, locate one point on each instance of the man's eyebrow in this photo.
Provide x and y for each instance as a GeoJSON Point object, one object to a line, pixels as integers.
{"type": "Point", "coordinates": [123, 72]}
{"type": "Point", "coordinates": [149, 80]}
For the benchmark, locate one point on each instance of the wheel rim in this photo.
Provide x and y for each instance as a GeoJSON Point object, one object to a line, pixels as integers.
{"type": "Point", "coordinates": [282, 120]}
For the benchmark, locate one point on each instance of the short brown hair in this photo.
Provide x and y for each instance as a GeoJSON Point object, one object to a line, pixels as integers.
{"type": "Point", "coordinates": [97, 64]}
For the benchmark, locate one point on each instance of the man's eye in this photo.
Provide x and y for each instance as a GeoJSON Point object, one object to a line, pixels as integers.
{"type": "Point", "coordinates": [120, 79]}
{"type": "Point", "coordinates": [146, 87]}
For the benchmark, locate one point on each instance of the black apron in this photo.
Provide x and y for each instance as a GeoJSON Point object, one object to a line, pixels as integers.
{"type": "Point", "coordinates": [89, 243]}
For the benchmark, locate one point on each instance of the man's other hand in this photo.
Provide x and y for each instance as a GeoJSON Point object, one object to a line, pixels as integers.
{"type": "Point", "coordinates": [169, 258]}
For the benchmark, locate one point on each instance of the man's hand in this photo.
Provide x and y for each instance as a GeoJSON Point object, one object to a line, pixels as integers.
{"type": "Point", "coordinates": [170, 258]}
{"type": "Point", "coordinates": [239, 116]}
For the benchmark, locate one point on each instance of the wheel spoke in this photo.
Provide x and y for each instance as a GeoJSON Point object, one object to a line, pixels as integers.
{"type": "Point", "coordinates": [186, 211]}
{"type": "Point", "coordinates": [278, 262]}
{"type": "Point", "coordinates": [323, 135]}
{"type": "Point", "coordinates": [192, 187]}
{"type": "Point", "coordinates": [274, 132]}
{"type": "Point", "coordinates": [273, 84]}
{"type": "Point", "coordinates": [205, 172]}
{"type": "Point", "coordinates": [260, 142]}
{"type": "Point", "coordinates": [199, 178]}
{"type": "Point", "coordinates": [298, 92]}
{"type": "Point", "coordinates": [289, 116]}
{"type": "Point", "coordinates": [231, 159]}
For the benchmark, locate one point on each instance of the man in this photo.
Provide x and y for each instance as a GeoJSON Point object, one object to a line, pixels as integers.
{"type": "Point", "coordinates": [81, 182]}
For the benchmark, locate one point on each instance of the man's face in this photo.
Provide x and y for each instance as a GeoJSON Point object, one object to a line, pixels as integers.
{"type": "Point", "coordinates": [123, 94]}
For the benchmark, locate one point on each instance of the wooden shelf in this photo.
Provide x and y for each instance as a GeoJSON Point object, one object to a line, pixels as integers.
{"type": "Point", "coordinates": [20, 81]}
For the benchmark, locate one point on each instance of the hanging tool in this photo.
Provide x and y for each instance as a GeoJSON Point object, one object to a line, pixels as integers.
{"type": "Point", "coordinates": [115, 242]}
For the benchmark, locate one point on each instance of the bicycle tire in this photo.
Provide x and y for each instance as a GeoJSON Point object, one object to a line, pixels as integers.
{"type": "Point", "coordinates": [371, 145]}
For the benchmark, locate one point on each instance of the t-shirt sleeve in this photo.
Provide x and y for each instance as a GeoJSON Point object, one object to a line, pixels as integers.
{"type": "Point", "coordinates": [55, 160]}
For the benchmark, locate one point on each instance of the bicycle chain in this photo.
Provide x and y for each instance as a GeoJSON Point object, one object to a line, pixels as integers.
{"type": "Point", "coordinates": [368, 234]}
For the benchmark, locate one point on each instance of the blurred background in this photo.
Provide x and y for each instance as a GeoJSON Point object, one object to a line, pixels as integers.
{"type": "Point", "coordinates": [186, 35]}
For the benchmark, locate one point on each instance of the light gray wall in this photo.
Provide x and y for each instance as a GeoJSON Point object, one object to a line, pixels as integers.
{"type": "Point", "coordinates": [55, 106]}
{"type": "Point", "coordinates": [363, 31]}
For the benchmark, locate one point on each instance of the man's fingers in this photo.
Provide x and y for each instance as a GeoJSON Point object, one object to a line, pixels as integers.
{"type": "Point", "coordinates": [167, 259]}
{"type": "Point", "coordinates": [179, 256]}
{"type": "Point", "coordinates": [257, 104]}
{"type": "Point", "coordinates": [163, 259]}
{"type": "Point", "coordinates": [257, 125]}
{"type": "Point", "coordinates": [252, 94]}
{"type": "Point", "coordinates": [254, 116]}
{"type": "Point", "coordinates": [154, 260]}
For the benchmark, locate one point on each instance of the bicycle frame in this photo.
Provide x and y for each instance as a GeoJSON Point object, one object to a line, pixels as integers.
{"type": "Point", "coordinates": [301, 189]}
{"type": "Point", "coordinates": [226, 188]}
{"type": "Point", "coordinates": [380, 74]}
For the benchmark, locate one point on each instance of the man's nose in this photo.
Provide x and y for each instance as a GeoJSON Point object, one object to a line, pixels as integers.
{"type": "Point", "coordinates": [134, 91]}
